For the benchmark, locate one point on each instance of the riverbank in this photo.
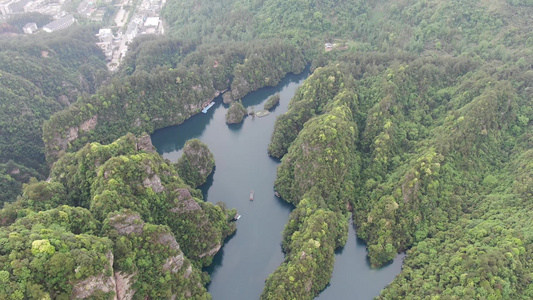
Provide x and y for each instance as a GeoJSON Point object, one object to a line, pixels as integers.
{"type": "Point", "coordinates": [249, 256]}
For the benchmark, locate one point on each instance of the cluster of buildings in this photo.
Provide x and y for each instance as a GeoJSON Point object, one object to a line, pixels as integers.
{"type": "Point", "coordinates": [131, 20]}
{"type": "Point", "coordinates": [115, 47]}
{"type": "Point", "coordinates": [143, 25]}
{"type": "Point", "coordinates": [59, 24]}
{"type": "Point", "coordinates": [90, 10]}
{"type": "Point", "coordinates": [144, 20]}
{"type": "Point", "coordinates": [45, 7]}
{"type": "Point", "coordinates": [86, 9]}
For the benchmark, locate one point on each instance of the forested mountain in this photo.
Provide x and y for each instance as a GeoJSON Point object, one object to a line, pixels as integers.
{"type": "Point", "coordinates": [417, 120]}
{"type": "Point", "coordinates": [39, 77]}
{"type": "Point", "coordinates": [440, 142]}
{"type": "Point", "coordinates": [444, 144]}
{"type": "Point", "coordinates": [155, 96]}
{"type": "Point", "coordinates": [112, 220]}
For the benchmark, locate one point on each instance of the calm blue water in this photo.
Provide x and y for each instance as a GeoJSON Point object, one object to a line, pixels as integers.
{"type": "Point", "coordinates": [242, 164]}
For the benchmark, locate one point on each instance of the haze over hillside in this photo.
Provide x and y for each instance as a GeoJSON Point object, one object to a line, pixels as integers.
{"type": "Point", "coordinates": [417, 119]}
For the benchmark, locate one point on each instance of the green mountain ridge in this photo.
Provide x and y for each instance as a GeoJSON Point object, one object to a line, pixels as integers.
{"type": "Point", "coordinates": [417, 121]}
{"type": "Point", "coordinates": [111, 219]}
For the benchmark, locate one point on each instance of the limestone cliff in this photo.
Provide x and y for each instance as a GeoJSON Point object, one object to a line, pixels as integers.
{"type": "Point", "coordinates": [151, 260]}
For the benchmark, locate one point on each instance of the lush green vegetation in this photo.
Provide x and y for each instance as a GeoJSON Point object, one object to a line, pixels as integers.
{"type": "Point", "coordinates": [168, 95]}
{"type": "Point", "coordinates": [442, 143]}
{"type": "Point", "coordinates": [43, 253]}
{"type": "Point", "coordinates": [318, 175]}
{"type": "Point", "coordinates": [213, 21]}
{"type": "Point", "coordinates": [149, 256]}
{"type": "Point", "coordinates": [272, 102]}
{"type": "Point", "coordinates": [16, 22]}
{"type": "Point", "coordinates": [87, 225]}
{"type": "Point", "coordinates": [196, 163]}
{"type": "Point", "coordinates": [38, 77]}
{"type": "Point", "coordinates": [309, 240]}
{"type": "Point", "coordinates": [107, 178]}
{"type": "Point", "coordinates": [418, 121]}
{"type": "Point", "coordinates": [436, 136]}
{"type": "Point", "coordinates": [236, 113]}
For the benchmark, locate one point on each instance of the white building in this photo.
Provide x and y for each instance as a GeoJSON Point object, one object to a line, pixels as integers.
{"type": "Point", "coordinates": [104, 33]}
{"type": "Point", "coordinates": [151, 22]}
{"type": "Point", "coordinates": [4, 7]}
{"type": "Point", "coordinates": [105, 36]}
{"type": "Point", "coordinates": [62, 23]}
{"type": "Point", "coordinates": [12, 7]}
{"type": "Point", "coordinates": [29, 28]}
{"type": "Point", "coordinates": [133, 29]}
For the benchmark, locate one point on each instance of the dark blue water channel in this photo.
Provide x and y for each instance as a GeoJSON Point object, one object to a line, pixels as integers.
{"type": "Point", "coordinates": [247, 258]}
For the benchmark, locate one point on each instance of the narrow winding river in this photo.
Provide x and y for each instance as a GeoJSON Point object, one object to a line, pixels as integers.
{"type": "Point", "coordinates": [242, 164]}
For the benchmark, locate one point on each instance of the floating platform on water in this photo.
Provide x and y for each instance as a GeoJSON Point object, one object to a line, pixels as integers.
{"type": "Point", "coordinates": [208, 107]}
{"type": "Point", "coordinates": [251, 195]}
{"type": "Point", "coordinates": [262, 113]}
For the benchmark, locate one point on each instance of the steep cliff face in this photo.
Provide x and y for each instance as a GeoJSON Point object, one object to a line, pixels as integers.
{"type": "Point", "coordinates": [142, 251]}
{"type": "Point", "coordinates": [101, 283]}
{"type": "Point", "coordinates": [144, 102]}
{"type": "Point", "coordinates": [120, 185]}
{"type": "Point", "coordinates": [129, 174]}
{"type": "Point", "coordinates": [39, 77]}
{"type": "Point", "coordinates": [149, 251]}
{"type": "Point", "coordinates": [196, 163]}
{"type": "Point", "coordinates": [269, 69]}
{"type": "Point", "coordinates": [124, 290]}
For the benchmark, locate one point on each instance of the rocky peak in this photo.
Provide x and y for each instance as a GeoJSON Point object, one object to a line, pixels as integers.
{"type": "Point", "coordinates": [127, 223]}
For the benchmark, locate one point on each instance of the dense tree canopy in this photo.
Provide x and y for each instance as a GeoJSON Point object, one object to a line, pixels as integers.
{"type": "Point", "coordinates": [38, 77]}
{"type": "Point", "coordinates": [84, 229]}
{"type": "Point", "coordinates": [417, 119]}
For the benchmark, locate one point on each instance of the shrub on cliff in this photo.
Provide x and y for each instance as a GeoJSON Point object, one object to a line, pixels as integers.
{"type": "Point", "coordinates": [196, 163]}
{"type": "Point", "coordinates": [236, 113]}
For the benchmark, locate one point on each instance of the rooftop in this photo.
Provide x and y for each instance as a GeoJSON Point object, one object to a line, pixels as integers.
{"type": "Point", "coordinates": [62, 23]}
{"type": "Point", "coordinates": [30, 25]}
{"type": "Point", "coordinates": [151, 22]}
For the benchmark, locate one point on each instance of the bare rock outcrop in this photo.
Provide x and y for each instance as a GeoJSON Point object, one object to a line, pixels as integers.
{"type": "Point", "coordinates": [185, 202]}
{"type": "Point", "coordinates": [127, 224]}
{"type": "Point", "coordinates": [123, 286]}
{"type": "Point", "coordinates": [153, 180]}
{"type": "Point", "coordinates": [89, 124]}
{"type": "Point", "coordinates": [169, 240]}
{"type": "Point", "coordinates": [211, 252]}
{"type": "Point", "coordinates": [87, 287]}
{"type": "Point", "coordinates": [144, 143]}
{"type": "Point", "coordinates": [154, 183]}
{"type": "Point", "coordinates": [174, 263]}
{"type": "Point", "coordinates": [61, 143]}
